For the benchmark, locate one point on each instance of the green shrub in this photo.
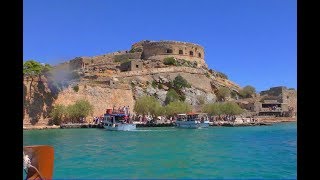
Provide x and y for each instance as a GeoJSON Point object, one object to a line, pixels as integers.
{"type": "Point", "coordinates": [179, 82]}
{"type": "Point", "coordinates": [148, 105]}
{"type": "Point", "coordinates": [182, 97]}
{"type": "Point", "coordinates": [160, 86]}
{"type": "Point", "coordinates": [177, 107]}
{"type": "Point", "coordinates": [207, 75]}
{"type": "Point", "coordinates": [81, 109]}
{"type": "Point", "coordinates": [57, 114]}
{"type": "Point", "coordinates": [76, 88]}
{"type": "Point", "coordinates": [170, 61]}
{"type": "Point", "coordinates": [172, 96]}
{"type": "Point", "coordinates": [154, 84]}
{"type": "Point", "coordinates": [223, 92]}
{"type": "Point", "coordinates": [233, 94]}
{"type": "Point", "coordinates": [222, 75]}
{"type": "Point", "coordinates": [195, 64]}
{"type": "Point", "coordinates": [132, 50]}
{"type": "Point", "coordinates": [228, 108]}
{"type": "Point", "coordinates": [201, 99]}
{"type": "Point", "coordinates": [247, 91]}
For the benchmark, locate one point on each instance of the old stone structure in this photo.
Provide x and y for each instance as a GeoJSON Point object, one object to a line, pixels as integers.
{"type": "Point", "coordinates": [133, 65]}
{"type": "Point", "coordinates": [277, 101]}
{"type": "Point", "coordinates": [162, 49]}
{"type": "Point", "coordinates": [283, 95]}
{"type": "Point", "coordinates": [145, 51]}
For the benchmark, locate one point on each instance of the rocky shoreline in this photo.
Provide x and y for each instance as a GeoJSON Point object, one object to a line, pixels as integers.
{"type": "Point", "coordinates": [259, 122]}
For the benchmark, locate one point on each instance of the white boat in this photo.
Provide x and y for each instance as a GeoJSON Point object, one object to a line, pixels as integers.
{"type": "Point", "coordinates": [192, 120]}
{"type": "Point", "coordinates": [117, 122]}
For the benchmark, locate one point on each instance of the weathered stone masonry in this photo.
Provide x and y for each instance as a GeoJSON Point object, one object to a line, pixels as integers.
{"type": "Point", "coordinates": [161, 49]}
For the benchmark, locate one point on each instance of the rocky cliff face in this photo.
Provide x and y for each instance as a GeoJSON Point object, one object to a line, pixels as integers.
{"type": "Point", "coordinates": [100, 97]}
{"type": "Point", "coordinates": [38, 100]}
{"type": "Point", "coordinates": [124, 90]}
{"type": "Point", "coordinates": [102, 83]}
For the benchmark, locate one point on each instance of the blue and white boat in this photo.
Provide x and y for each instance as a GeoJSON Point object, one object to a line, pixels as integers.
{"type": "Point", "coordinates": [117, 122]}
{"type": "Point", "coordinates": [192, 121]}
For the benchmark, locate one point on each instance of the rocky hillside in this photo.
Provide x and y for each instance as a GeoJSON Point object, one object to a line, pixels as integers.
{"type": "Point", "coordinates": [106, 88]}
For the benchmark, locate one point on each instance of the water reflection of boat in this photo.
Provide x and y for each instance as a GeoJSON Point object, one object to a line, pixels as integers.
{"type": "Point", "coordinates": [192, 120]}
{"type": "Point", "coordinates": [117, 121]}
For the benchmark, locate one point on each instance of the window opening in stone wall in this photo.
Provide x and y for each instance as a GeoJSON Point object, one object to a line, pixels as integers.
{"type": "Point", "coordinates": [137, 66]}
{"type": "Point", "coordinates": [169, 50]}
{"type": "Point", "coordinates": [191, 53]}
{"type": "Point", "coordinates": [180, 52]}
{"type": "Point", "coordinates": [199, 54]}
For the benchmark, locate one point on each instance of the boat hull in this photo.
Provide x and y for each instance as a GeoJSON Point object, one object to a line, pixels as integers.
{"type": "Point", "coordinates": [191, 124]}
{"type": "Point", "coordinates": [120, 127]}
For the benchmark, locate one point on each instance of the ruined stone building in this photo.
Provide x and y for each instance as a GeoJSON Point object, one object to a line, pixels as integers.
{"type": "Point", "coordinates": [161, 49]}
{"type": "Point", "coordinates": [277, 101]}
{"type": "Point", "coordinates": [133, 60]}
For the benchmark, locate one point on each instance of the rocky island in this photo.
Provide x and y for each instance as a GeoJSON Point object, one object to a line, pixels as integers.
{"type": "Point", "coordinates": [149, 68]}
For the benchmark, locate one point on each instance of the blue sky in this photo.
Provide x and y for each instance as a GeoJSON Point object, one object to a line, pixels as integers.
{"type": "Point", "coordinates": [254, 42]}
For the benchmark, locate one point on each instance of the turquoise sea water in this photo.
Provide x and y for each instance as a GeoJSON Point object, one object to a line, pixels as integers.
{"type": "Point", "coordinates": [260, 152]}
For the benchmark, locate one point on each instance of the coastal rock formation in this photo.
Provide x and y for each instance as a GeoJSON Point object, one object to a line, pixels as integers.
{"type": "Point", "coordinates": [117, 79]}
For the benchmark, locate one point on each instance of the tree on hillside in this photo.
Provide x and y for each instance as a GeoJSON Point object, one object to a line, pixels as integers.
{"type": "Point", "coordinates": [231, 108]}
{"type": "Point", "coordinates": [234, 94]}
{"type": "Point", "coordinates": [177, 107]}
{"type": "Point", "coordinates": [179, 82]}
{"type": "Point", "coordinates": [31, 69]}
{"type": "Point", "coordinates": [223, 92]}
{"type": "Point", "coordinates": [57, 114]}
{"type": "Point", "coordinates": [247, 91]}
{"type": "Point", "coordinates": [228, 108]}
{"type": "Point", "coordinates": [212, 109]}
{"type": "Point", "coordinates": [80, 109]}
{"type": "Point", "coordinates": [172, 96]}
{"type": "Point", "coordinates": [148, 105]}
{"type": "Point", "coordinates": [46, 70]}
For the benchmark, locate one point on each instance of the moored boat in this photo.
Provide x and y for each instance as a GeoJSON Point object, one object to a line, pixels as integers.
{"type": "Point", "coordinates": [117, 121]}
{"type": "Point", "coordinates": [192, 120]}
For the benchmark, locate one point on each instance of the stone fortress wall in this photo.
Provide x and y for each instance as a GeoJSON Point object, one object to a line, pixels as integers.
{"type": "Point", "coordinates": [143, 50]}
{"type": "Point", "coordinates": [161, 49]}
{"type": "Point", "coordinates": [283, 95]}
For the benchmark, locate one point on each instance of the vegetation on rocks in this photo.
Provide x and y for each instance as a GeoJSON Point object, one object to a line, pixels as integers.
{"type": "Point", "coordinates": [71, 113]}
{"type": "Point", "coordinates": [222, 75]}
{"type": "Point", "coordinates": [57, 114]}
{"type": "Point", "coordinates": [177, 107]}
{"type": "Point", "coordinates": [32, 69]}
{"type": "Point", "coordinates": [148, 105]}
{"type": "Point", "coordinates": [233, 94]}
{"type": "Point", "coordinates": [183, 62]}
{"type": "Point", "coordinates": [153, 84]}
{"type": "Point", "coordinates": [223, 92]}
{"type": "Point", "coordinates": [247, 91]}
{"type": "Point", "coordinates": [75, 88]}
{"type": "Point", "coordinates": [179, 82]}
{"type": "Point", "coordinates": [227, 108]}
{"type": "Point", "coordinates": [169, 61]}
{"type": "Point", "coordinates": [172, 96]}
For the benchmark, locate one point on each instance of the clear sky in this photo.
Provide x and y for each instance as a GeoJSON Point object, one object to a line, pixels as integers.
{"type": "Point", "coordinates": [254, 42]}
